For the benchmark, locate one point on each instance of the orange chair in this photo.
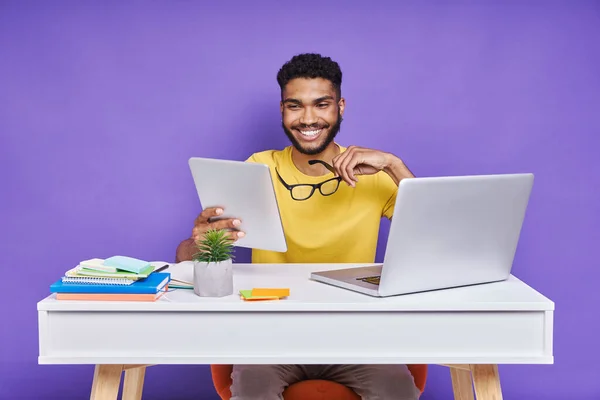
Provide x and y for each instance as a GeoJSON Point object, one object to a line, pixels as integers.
{"type": "Point", "coordinates": [315, 389]}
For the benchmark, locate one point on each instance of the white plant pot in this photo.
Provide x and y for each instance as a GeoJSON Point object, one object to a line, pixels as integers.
{"type": "Point", "coordinates": [213, 279]}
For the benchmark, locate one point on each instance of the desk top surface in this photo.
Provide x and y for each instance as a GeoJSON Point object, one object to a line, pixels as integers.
{"type": "Point", "coordinates": [307, 295]}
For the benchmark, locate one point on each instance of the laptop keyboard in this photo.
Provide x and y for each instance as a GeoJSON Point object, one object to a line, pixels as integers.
{"type": "Point", "coordinates": [370, 279]}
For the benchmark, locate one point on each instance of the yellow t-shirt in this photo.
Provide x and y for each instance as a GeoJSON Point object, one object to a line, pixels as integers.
{"type": "Point", "coordinates": [340, 228]}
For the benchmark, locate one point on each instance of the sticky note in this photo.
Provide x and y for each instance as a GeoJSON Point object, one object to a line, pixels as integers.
{"type": "Point", "coordinates": [248, 296]}
{"type": "Point", "coordinates": [278, 292]}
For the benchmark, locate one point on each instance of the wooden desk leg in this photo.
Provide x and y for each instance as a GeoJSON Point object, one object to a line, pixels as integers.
{"type": "Point", "coordinates": [462, 385]}
{"type": "Point", "coordinates": [107, 379]}
{"type": "Point", "coordinates": [486, 382]}
{"type": "Point", "coordinates": [133, 385]}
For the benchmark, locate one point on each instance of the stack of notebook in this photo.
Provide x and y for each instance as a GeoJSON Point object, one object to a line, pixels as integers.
{"type": "Point", "coordinates": [116, 278]}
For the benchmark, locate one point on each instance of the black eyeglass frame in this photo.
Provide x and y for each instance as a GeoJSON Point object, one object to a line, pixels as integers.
{"type": "Point", "coordinates": [313, 186]}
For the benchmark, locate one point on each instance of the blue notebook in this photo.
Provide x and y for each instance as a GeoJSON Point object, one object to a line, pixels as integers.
{"type": "Point", "coordinates": [155, 282]}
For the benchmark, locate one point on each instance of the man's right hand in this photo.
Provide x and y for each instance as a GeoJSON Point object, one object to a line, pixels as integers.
{"type": "Point", "coordinates": [203, 223]}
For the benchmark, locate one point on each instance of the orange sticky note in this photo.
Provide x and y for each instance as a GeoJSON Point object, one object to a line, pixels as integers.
{"type": "Point", "coordinates": [277, 292]}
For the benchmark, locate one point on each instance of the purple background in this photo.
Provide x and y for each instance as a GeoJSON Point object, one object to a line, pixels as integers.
{"type": "Point", "coordinates": [102, 105]}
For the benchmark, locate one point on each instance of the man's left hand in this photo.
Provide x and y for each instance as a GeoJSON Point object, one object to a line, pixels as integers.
{"type": "Point", "coordinates": [362, 161]}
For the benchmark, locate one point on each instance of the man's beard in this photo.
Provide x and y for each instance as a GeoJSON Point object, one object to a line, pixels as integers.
{"type": "Point", "coordinates": [330, 136]}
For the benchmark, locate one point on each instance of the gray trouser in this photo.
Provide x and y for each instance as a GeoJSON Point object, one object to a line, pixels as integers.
{"type": "Point", "coordinates": [371, 382]}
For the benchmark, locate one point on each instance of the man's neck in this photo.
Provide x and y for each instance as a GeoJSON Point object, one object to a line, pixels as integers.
{"type": "Point", "coordinates": [301, 160]}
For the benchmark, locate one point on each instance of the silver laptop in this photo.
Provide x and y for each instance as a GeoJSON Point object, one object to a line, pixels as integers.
{"type": "Point", "coordinates": [446, 232]}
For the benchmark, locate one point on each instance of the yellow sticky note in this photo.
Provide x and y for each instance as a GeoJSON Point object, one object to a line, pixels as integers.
{"type": "Point", "coordinates": [277, 292]}
{"type": "Point", "coordinates": [247, 296]}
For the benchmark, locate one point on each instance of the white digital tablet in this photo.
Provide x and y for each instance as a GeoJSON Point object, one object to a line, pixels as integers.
{"type": "Point", "coordinates": [244, 190]}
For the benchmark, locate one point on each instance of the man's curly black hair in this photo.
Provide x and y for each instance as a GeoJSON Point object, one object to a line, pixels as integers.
{"type": "Point", "coordinates": [311, 65]}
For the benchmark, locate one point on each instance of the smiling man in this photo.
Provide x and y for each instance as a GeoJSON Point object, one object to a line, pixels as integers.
{"type": "Point", "coordinates": [331, 199]}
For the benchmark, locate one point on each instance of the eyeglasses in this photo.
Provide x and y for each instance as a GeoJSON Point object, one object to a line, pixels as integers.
{"type": "Point", "coordinates": [304, 191]}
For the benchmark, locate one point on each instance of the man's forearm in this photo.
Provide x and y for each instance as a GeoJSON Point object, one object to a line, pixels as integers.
{"type": "Point", "coordinates": [397, 170]}
{"type": "Point", "coordinates": [185, 250]}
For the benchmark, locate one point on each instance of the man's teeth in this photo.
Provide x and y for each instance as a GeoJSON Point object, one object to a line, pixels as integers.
{"type": "Point", "coordinates": [311, 133]}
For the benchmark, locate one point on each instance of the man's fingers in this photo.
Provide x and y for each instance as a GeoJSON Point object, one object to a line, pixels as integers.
{"type": "Point", "coordinates": [338, 165]}
{"type": "Point", "coordinates": [335, 162]}
{"type": "Point", "coordinates": [207, 214]}
{"type": "Point", "coordinates": [351, 166]}
{"type": "Point", "coordinates": [344, 165]}
{"type": "Point", "coordinates": [203, 222]}
{"type": "Point", "coordinates": [229, 223]}
{"type": "Point", "coordinates": [235, 235]}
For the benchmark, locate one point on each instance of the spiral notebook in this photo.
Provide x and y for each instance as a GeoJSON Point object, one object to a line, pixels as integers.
{"type": "Point", "coordinates": [91, 280]}
{"type": "Point", "coordinates": [79, 272]}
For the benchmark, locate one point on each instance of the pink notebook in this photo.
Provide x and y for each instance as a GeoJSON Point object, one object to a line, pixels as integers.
{"type": "Point", "coordinates": [110, 296]}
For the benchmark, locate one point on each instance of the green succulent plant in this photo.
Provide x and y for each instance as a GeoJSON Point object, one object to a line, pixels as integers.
{"type": "Point", "coordinates": [214, 247]}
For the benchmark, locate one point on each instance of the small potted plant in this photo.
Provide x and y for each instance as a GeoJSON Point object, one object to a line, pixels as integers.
{"type": "Point", "coordinates": [213, 275]}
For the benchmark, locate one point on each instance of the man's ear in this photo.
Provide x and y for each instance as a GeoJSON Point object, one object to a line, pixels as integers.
{"type": "Point", "coordinates": [281, 108]}
{"type": "Point", "coordinates": [342, 105]}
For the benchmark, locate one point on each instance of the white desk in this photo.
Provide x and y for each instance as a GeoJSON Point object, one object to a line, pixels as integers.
{"type": "Point", "coordinates": [471, 329]}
